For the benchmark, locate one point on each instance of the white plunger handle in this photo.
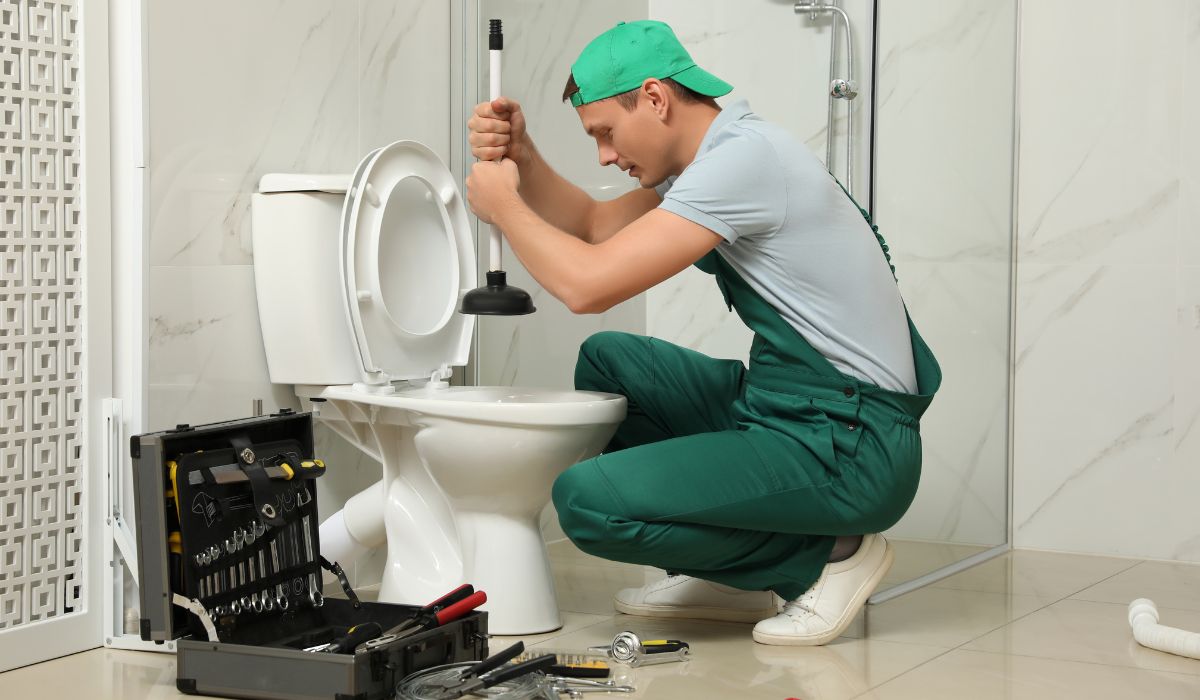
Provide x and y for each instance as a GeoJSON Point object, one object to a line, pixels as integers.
{"type": "Point", "coordinates": [493, 93]}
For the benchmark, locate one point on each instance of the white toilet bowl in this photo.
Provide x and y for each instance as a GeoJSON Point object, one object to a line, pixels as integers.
{"type": "Point", "coordinates": [358, 282]}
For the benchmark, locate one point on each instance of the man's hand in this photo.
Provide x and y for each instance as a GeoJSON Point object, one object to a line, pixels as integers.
{"type": "Point", "coordinates": [491, 186]}
{"type": "Point", "coordinates": [497, 130]}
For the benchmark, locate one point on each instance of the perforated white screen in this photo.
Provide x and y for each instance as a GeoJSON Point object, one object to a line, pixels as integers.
{"type": "Point", "coordinates": [41, 292]}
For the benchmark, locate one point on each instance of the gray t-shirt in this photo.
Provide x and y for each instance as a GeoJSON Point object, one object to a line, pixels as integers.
{"type": "Point", "coordinates": [797, 239]}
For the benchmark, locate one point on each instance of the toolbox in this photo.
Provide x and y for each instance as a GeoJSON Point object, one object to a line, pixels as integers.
{"type": "Point", "coordinates": [229, 566]}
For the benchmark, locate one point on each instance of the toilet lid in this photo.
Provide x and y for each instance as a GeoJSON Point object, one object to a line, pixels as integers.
{"type": "Point", "coordinates": [407, 258]}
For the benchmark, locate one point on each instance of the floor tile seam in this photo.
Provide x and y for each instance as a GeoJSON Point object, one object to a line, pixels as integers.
{"type": "Point", "coordinates": [1181, 674]}
{"type": "Point", "coordinates": [903, 673]}
{"type": "Point", "coordinates": [562, 634]}
{"type": "Point", "coordinates": [943, 652]}
{"type": "Point", "coordinates": [1103, 580]}
{"type": "Point", "coordinates": [1007, 624]}
{"type": "Point", "coordinates": [941, 583]}
{"type": "Point", "coordinates": [1160, 608]}
{"type": "Point", "coordinates": [1051, 657]}
{"type": "Point", "coordinates": [1052, 599]}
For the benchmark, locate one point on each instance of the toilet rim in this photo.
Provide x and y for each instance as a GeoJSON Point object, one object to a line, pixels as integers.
{"type": "Point", "coordinates": [595, 407]}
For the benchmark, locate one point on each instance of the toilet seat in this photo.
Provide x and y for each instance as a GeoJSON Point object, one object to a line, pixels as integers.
{"type": "Point", "coordinates": [407, 258]}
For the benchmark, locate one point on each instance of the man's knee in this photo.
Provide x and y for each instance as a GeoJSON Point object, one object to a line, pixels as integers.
{"type": "Point", "coordinates": [599, 355]}
{"type": "Point", "coordinates": [583, 504]}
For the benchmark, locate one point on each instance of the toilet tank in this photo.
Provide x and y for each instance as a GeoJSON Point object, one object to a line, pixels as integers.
{"type": "Point", "coordinates": [297, 236]}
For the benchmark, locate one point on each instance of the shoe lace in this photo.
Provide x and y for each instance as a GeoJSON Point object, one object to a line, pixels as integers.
{"type": "Point", "coordinates": [802, 606]}
{"type": "Point", "coordinates": [670, 580]}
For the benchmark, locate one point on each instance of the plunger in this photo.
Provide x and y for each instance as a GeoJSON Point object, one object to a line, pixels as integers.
{"type": "Point", "coordinates": [497, 298]}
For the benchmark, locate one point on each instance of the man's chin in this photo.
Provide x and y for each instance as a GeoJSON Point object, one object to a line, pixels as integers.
{"type": "Point", "coordinates": [647, 184]}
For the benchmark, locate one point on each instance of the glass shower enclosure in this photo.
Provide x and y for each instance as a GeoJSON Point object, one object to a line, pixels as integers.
{"type": "Point", "coordinates": [911, 103]}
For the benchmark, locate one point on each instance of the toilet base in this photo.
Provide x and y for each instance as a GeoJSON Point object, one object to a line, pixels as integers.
{"type": "Point", "coordinates": [505, 557]}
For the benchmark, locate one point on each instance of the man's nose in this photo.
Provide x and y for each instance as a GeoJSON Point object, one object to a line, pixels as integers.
{"type": "Point", "coordinates": [608, 156]}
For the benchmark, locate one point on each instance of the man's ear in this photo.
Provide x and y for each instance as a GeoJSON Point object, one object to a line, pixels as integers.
{"type": "Point", "coordinates": [657, 96]}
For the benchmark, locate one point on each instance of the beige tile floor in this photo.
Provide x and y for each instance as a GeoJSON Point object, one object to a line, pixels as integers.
{"type": "Point", "coordinates": [1028, 625]}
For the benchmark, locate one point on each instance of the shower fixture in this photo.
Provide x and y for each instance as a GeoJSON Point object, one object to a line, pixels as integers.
{"type": "Point", "coordinates": [839, 88]}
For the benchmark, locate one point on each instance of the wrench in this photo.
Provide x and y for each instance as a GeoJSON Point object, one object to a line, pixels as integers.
{"type": "Point", "coordinates": [314, 592]}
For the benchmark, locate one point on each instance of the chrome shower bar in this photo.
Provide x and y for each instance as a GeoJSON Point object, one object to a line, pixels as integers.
{"type": "Point", "coordinates": [839, 88]}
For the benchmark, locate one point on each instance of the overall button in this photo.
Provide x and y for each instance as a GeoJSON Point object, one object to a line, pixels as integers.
{"type": "Point", "coordinates": [852, 426]}
{"type": "Point", "coordinates": [848, 391]}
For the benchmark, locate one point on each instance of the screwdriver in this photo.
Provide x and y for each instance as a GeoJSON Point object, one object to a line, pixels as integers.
{"type": "Point", "coordinates": [354, 636]}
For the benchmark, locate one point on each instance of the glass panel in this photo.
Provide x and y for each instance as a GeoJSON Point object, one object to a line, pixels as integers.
{"type": "Point", "coordinates": [943, 191]}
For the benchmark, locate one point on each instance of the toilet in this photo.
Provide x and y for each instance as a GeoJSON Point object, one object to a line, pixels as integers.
{"type": "Point", "coordinates": [359, 279]}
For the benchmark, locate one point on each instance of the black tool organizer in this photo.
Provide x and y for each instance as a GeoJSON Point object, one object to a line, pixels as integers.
{"type": "Point", "coordinates": [229, 566]}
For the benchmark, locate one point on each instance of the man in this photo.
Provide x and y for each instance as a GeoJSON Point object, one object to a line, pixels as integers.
{"type": "Point", "coordinates": [742, 482]}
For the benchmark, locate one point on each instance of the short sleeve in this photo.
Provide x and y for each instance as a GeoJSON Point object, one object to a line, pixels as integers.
{"type": "Point", "coordinates": [735, 189]}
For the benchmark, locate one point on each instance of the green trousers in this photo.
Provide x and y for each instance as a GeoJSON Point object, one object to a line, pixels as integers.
{"type": "Point", "coordinates": [742, 476]}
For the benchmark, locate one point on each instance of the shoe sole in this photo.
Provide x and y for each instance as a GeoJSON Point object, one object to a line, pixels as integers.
{"type": "Point", "coordinates": [693, 612]}
{"type": "Point", "coordinates": [856, 604]}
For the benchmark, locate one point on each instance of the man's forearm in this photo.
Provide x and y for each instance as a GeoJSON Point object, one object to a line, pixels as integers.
{"type": "Point", "coordinates": [558, 261]}
{"type": "Point", "coordinates": [554, 198]}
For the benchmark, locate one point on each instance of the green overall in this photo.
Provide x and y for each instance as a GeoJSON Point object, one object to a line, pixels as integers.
{"type": "Point", "coordinates": [741, 476]}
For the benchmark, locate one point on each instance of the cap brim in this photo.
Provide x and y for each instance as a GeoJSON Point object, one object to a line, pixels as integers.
{"type": "Point", "coordinates": [699, 80]}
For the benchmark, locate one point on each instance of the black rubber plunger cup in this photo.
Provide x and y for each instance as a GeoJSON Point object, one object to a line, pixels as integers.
{"type": "Point", "coordinates": [497, 298]}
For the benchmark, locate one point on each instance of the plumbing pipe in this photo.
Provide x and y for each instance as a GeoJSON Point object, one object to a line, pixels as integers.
{"type": "Point", "coordinates": [812, 8]}
{"type": "Point", "coordinates": [355, 529]}
{"type": "Point", "coordinates": [1143, 618]}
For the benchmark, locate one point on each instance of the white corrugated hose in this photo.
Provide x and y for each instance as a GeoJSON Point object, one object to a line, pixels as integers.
{"type": "Point", "coordinates": [1143, 618]}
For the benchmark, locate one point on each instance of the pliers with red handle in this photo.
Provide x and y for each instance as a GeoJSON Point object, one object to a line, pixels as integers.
{"type": "Point", "coordinates": [455, 604]}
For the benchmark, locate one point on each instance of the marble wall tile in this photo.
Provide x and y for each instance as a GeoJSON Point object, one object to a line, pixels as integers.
{"type": "Point", "coordinates": [1094, 409]}
{"type": "Point", "coordinates": [945, 130]}
{"type": "Point", "coordinates": [688, 310]}
{"type": "Point", "coordinates": [1108, 391]}
{"type": "Point", "coordinates": [541, 40]}
{"type": "Point", "coordinates": [279, 95]}
{"type": "Point", "coordinates": [1189, 216]}
{"type": "Point", "coordinates": [1100, 150]}
{"type": "Point", "coordinates": [404, 74]}
{"type": "Point", "coordinates": [206, 358]}
{"type": "Point", "coordinates": [1180, 499]}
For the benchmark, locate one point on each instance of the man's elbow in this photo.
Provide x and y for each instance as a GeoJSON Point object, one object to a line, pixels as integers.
{"type": "Point", "coordinates": [582, 302]}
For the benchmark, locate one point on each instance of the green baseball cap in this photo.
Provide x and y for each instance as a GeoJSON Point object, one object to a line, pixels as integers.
{"type": "Point", "coordinates": [620, 59]}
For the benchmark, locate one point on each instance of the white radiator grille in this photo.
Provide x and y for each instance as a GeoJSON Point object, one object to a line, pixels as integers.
{"type": "Point", "coordinates": [41, 291]}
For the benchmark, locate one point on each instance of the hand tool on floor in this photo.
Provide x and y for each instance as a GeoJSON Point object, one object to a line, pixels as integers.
{"type": "Point", "coordinates": [433, 683]}
{"type": "Point", "coordinates": [627, 648]}
{"type": "Point", "coordinates": [467, 683]}
{"type": "Point", "coordinates": [576, 687]}
{"type": "Point", "coordinates": [572, 664]}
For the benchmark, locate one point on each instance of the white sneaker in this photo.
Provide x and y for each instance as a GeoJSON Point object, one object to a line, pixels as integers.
{"type": "Point", "coordinates": [826, 609]}
{"type": "Point", "coordinates": [682, 596]}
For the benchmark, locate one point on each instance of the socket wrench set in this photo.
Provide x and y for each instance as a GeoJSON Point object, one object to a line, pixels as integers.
{"type": "Point", "coordinates": [229, 567]}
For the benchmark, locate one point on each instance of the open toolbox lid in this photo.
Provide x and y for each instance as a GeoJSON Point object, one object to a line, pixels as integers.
{"type": "Point", "coordinates": [161, 620]}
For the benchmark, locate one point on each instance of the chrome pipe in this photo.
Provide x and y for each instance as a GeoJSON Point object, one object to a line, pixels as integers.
{"type": "Point", "coordinates": [812, 8]}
